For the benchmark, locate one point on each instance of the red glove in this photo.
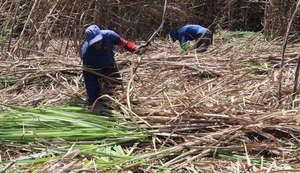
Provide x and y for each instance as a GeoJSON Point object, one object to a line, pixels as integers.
{"type": "Point", "coordinates": [130, 46]}
{"type": "Point", "coordinates": [127, 45]}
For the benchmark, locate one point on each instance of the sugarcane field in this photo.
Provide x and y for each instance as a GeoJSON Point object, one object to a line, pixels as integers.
{"type": "Point", "coordinates": [145, 86]}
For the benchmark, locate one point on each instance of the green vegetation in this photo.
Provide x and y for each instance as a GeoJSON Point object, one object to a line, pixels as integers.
{"type": "Point", "coordinates": [255, 67]}
{"type": "Point", "coordinates": [51, 132]}
{"type": "Point", "coordinates": [4, 36]}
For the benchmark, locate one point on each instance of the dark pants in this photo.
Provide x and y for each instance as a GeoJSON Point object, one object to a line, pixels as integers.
{"type": "Point", "coordinates": [205, 41]}
{"type": "Point", "coordinates": [96, 85]}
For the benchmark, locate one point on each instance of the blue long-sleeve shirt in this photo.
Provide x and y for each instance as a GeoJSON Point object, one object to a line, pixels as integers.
{"type": "Point", "coordinates": [97, 59]}
{"type": "Point", "coordinates": [188, 32]}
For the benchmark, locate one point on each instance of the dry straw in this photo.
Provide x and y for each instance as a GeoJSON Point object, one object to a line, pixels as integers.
{"type": "Point", "coordinates": [196, 104]}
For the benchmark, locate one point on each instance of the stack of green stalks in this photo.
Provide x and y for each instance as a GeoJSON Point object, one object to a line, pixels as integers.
{"type": "Point", "coordinates": [63, 139]}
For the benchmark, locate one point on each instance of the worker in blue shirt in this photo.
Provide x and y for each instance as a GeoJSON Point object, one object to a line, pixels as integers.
{"type": "Point", "coordinates": [202, 35]}
{"type": "Point", "coordinates": [98, 57]}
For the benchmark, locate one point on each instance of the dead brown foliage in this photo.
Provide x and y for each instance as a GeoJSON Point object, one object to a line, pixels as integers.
{"type": "Point", "coordinates": [196, 104]}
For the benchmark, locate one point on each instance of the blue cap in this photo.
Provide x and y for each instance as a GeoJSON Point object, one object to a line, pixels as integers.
{"type": "Point", "coordinates": [93, 34]}
{"type": "Point", "coordinates": [174, 34]}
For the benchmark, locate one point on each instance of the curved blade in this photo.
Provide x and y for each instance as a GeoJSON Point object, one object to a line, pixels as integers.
{"type": "Point", "coordinates": [161, 24]}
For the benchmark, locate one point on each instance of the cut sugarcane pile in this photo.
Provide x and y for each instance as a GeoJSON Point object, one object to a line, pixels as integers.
{"type": "Point", "coordinates": [200, 106]}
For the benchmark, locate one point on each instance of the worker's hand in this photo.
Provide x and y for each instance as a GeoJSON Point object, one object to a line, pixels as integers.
{"type": "Point", "coordinates": [140, 49]}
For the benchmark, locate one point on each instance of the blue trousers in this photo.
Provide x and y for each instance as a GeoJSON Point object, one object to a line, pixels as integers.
{"type": "Point", "coordinates": [205, 40]}
{"type": "Point", "coordinates": [95, 84]}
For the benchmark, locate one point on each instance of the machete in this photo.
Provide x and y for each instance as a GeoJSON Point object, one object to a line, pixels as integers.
{"type": "Point", "coordinates": [158, 29]}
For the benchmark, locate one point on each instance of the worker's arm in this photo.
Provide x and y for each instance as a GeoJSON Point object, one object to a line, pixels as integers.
{"type": "Point", "coordinates": [130, 46]}
{"type": "Point", "coordinates": [184, 42]}
{"type": "Point", "coordinates": [127, 45]}
{"type": "Point", "coordinates": [183, 39]}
